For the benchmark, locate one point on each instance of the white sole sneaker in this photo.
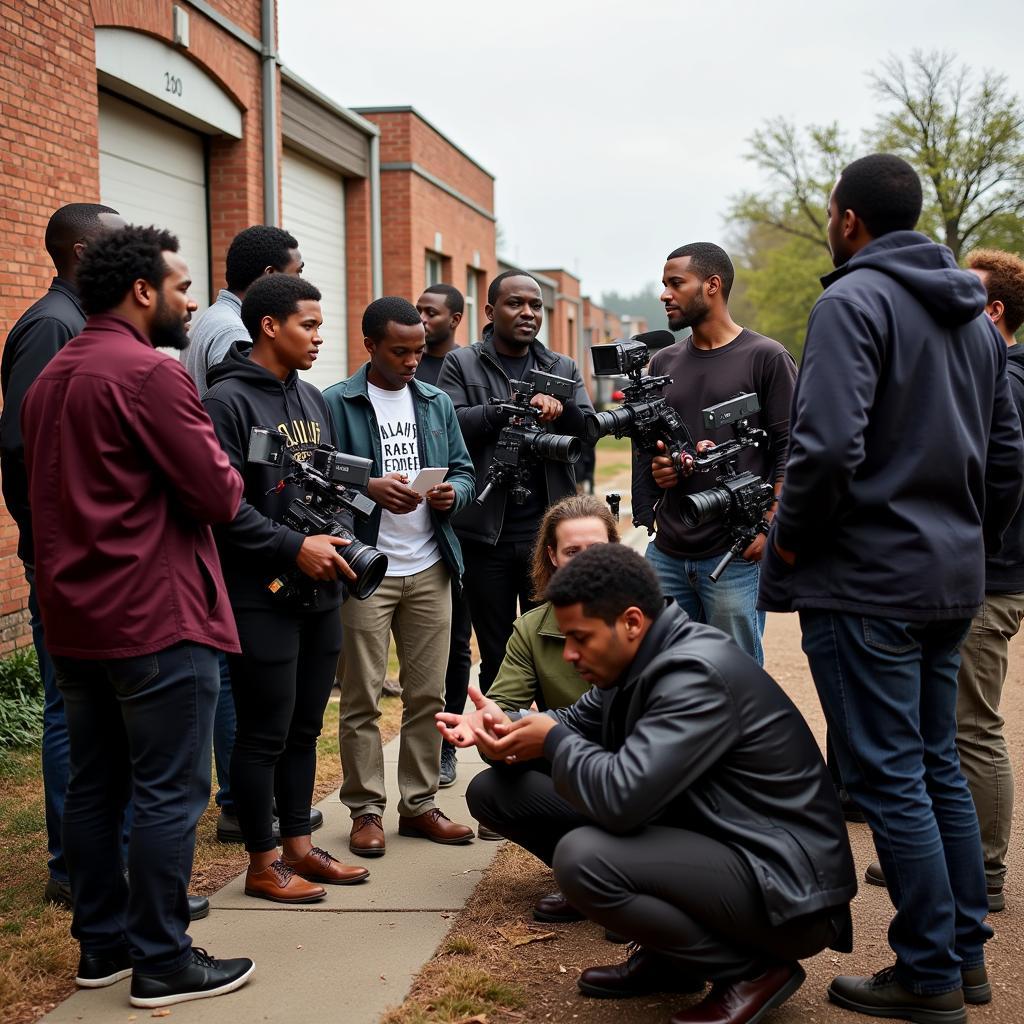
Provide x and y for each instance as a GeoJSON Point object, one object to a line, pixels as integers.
{"type": "Point", "coordinates": [184, 997]}
{"type": "Point", "coordinates": [110, 979]}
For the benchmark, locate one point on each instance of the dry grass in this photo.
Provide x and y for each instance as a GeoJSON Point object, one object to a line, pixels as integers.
{"type": "Point", "coordinates": [37, 954]}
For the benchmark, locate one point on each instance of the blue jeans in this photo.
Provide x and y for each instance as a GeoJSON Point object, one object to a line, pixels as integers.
{"type": "Point", "coordinates": [55, 739]}
{"type": "Point", "coordinates": [729, 605]}
{"type": "Point", "coordinates": [888, 690]}
{"type": "Point", "coordinates": [224, 725]}
{"type": "Point", "coordinates": [138, 727]}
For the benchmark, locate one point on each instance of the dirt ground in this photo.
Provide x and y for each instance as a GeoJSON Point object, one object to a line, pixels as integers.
{"type": "Point", "coordinates": [540, 977]}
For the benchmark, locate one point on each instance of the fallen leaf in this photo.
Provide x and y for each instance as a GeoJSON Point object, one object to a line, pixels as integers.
{"type": "Point", "coordinates": [383, 978]}
{"type": "Point", "coordinates": [298, 947]}
{"type": "Point", "coordinates": [516, 937]}
{"type": "Point", "coordinates": [480, 1018]}
{"type": "Point", "coordinates": [561, 969]}
{"type": "Point", "coordinates": [160, 1013]}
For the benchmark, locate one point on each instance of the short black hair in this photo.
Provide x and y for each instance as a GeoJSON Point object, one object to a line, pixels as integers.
{"type": "Point", "coordinates": [387, 310]}
{"type": "Point", "coordinates": [70, 224]}
{"type": "Point", "coordinates": [253, 250]}
{"type": "Point", "coordinates": [452, 296]}
{"type": "Point", "coordinates": [883, 190]}
{"type": "Point", "coordinates": [114, 262]}
{"type": "Point", "coordinates": [495, 286]}
{"type": "Point", "coordinates": [708, 259]}
{"type": "Point", "coordinates": [276, 295]}
{"type": "Point", "coordinates": [607, 579]}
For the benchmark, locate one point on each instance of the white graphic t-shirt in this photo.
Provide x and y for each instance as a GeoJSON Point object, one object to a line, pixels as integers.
{"type": "Point", "coordinates": [407, 540]}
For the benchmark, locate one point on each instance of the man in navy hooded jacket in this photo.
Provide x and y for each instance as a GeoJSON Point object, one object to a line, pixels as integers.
{"type": "Point", "coordinates": [904, 469]}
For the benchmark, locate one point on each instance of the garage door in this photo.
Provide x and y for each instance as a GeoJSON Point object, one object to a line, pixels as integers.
{"type": "Point", "coordinates": [154, 172]}
{"type": "Point", "coordinates": [313, 210]}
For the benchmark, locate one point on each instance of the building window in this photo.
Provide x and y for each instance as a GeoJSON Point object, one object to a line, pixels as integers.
{"type": "Point", "coordinates": [472, 302]}
{"type": "Point", "coordinates": [434, 269]}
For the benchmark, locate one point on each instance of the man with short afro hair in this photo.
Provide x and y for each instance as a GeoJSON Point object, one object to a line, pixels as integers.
{"type": "Point", "coordinates": [258, 250]}
{"type": "Point", "coordinates": [682, 801]}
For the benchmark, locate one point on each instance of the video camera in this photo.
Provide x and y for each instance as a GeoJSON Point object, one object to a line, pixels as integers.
{"type": "Point", "coordinates": [645, 415]}
{"type": "Point", "coordinates": [328, 479]}
{"type": "Point", "coordinates": [522, 442]}
{"type": "Point", "coordinates": [741, 499]}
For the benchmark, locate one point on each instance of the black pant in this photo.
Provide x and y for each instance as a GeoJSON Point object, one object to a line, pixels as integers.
{"type": "Point", "coordinates": [497, 576]}
{"type": "Point", "coordinates": [460, 659]}
{"type": "Point", "coordinates": [140, 728]}
{"type": "Point", "coordinates": [676, 892]}
{"type": "Point", "coordinates": [281, 683]}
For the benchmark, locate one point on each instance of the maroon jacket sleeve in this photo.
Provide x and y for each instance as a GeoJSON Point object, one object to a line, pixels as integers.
{"type": "Point", "coordinates": [176, 431]}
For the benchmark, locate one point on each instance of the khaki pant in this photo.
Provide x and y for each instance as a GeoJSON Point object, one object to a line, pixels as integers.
{"type": "Point", "coordinates": [983, 754]}
{"type": "Point", "coordinates": [417, 609]}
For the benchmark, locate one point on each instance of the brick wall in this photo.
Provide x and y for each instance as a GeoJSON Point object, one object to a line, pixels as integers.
{"type": "Point", "coordinates": [413, 211]}
{"type": "Point", "coordinates": [49, 156]}
{"type": "Point", "coordinates": [568, 310]}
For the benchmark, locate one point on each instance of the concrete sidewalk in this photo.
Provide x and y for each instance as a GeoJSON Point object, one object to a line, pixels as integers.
{"type": "Point", "coordinates": [345, 959]}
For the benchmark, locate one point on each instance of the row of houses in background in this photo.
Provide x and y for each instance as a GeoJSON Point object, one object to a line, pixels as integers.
{"type": "Point", "coordinates": [181, 115]}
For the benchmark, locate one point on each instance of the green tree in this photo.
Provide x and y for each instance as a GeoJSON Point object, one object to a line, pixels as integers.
{"type": "Point", "coordinates": [644, 302]}
{"type": "Point", "coordinates": [965, 136]}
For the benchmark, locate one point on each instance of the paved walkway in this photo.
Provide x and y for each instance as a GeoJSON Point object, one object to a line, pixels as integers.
{"type": "Point", "coordinates": [347, 958]}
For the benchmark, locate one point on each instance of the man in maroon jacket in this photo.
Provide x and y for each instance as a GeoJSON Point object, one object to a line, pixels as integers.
{"type": "Point", "coordinates": [125, 477]}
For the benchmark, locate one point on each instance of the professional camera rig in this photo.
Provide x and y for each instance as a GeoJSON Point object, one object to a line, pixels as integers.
{"type": "Point", "coordinates": [523, 443]}
{"type": "Point", "coordinates": [645, 415]}
{"type": "Point", "coordinates": [741, 498]}
{"type": "Point", "coordinates": [329, 479]}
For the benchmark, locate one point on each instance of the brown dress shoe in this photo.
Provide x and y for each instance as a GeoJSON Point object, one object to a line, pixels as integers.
{"type": "Point", "coordinates": [744, 1002]}
{"type": "Point", "coordinates": [555, 908]}
{"type": "Point", "coordinates": [641, 974]}
{"type": "Point", "coordinates": [435, 826]}
{"type": "Point", "coordinates": [367, 838]}
{"type": "Point", "coordinates": [279, 883]}
{"type": "Point", "coordinates": [319, 866]}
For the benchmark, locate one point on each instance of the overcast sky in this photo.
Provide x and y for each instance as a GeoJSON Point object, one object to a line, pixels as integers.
{"type": "Point", "coordinates": [616, 130]}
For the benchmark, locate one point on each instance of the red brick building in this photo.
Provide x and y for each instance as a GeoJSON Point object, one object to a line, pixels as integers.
{"type": "Point", "coordinates": [438, 213]}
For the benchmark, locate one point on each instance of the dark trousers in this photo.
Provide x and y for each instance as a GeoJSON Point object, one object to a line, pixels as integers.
{"type": "Point", "coordinates": [281, 683]}
{"type": "Point", "coordinates": [497, 579]}
{"type": "Point", "coordinates": [224, 738]}
{"type": "Point", "coordinates": [139, 728]}
{"type": "Point", "coordinates": [460, 660]}
{"type": "Point", "coordinates": [676, 892]}
{"type": "Point", "coordinates": [888, 690]}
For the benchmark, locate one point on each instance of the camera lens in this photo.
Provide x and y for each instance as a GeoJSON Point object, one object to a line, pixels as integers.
{"type": "Point", "coordinates": [700, 508]}
{"type": "Point", "coordinates": [601, 424]}
{"type": "Point", "coordinates": [367, 563]}
{"type": "Point", "coordinates": [558, 447]}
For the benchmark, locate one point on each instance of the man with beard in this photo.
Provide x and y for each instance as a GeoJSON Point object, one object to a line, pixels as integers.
{"type": "Point", "coordinates": [498, 537]}
{"type": "Point", "coordinates": [125, 478]}
{"type": "Point", "coordinates": [718, 361]}
{"type": "Point", "coordinates": [40, 333]}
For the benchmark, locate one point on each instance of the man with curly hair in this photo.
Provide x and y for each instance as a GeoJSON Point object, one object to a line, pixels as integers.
{"type": "Point", "coordinates": [125, 479]}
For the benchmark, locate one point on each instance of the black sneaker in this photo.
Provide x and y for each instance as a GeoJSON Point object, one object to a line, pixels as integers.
{"type": "Point", "coordinates": [198, 908]}
{"type": "Point", "coordinates": [98, 970]}
{"type": "Point", "coordinates": [202, 978]}
{"type": "Point", "coordinates": [449, 767]}
{"type": "Point", "coordinates": [57, 893]}
{"type": "Point", "coordinates": [881, 995]}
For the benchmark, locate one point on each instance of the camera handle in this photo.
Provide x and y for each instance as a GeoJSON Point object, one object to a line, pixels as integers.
{"type": "Point", "coordinates": [743, 541]}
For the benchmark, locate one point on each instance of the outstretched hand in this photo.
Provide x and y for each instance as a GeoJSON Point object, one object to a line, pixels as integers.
{"type": "Point", "coordinates": [460, 730]}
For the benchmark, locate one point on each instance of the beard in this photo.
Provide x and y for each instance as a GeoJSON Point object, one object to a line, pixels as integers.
{"type": "Point", "coordinates": [694, 313]}
{"type": "Point", "coordinates": [168, 329]}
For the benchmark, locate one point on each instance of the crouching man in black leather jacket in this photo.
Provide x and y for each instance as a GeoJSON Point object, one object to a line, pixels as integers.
{"type": "Point", "coordinates": [682, 801]}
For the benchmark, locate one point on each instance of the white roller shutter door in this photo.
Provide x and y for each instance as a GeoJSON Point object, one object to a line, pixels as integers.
{"type": "Point", "coordinates": [313, 210]}
{"type": "Point", "coordinates": [154, 172]}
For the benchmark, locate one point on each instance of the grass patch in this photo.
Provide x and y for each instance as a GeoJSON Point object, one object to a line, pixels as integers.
{"type": "Point", "coordinates": [458, 945]}
{"type": "Point", "coordinates": [458, 992]}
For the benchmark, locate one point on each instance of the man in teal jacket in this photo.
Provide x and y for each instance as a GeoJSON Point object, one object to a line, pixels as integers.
{"type": "Point", "coordinates": [404, 425]}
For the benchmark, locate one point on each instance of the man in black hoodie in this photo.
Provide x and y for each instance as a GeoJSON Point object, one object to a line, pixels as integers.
{"type": "Point", "coordinates": [290, 644]}
{"type": "Point", "coordinates": [904, 469]}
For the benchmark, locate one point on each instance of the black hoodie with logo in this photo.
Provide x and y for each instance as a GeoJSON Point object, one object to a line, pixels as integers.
{"type": "Point", "coordinates": [905, 455]}
{"type": "Point", "coordinates": [255, 547]}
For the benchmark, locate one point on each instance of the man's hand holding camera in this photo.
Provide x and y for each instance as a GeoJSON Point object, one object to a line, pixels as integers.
{"type": "Point", "coordinates": [318, 558]}
{"type": "Point", "coordinates": [550, 408]}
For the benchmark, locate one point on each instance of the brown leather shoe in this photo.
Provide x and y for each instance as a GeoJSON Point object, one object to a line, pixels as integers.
{"type": "Point", "coordinates": [319, 866]}
{"type": "Point", "coordinates": [279, 883]}
{"type": "Point", "coordinates": [556, 909]}
{"type": "Point", "coordinates": [435, 826]}
{"type": "Point", "coordinates": [367, 838]}
{"type": "Point", "coordinates": [640, 975]}
{"type": "Point", "coordinates": [744, 1002]}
